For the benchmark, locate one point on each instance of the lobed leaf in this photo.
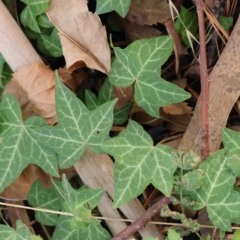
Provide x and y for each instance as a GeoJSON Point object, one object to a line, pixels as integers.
{"type": "Point", "coordinates": [46, 199]}
{"type": "Point", "coordinates": [106, 94]}
{"type": "Point", "coordinates": [80, 202]}
{"type": "Point", "coordinates": [77, 127]}
{"type": "Point", "coordinates": [216, 192]}
{"type": "Point", "coordinates": [21, 233]}
{"type": "Point", "coordinates": [139, 163]}
{"type": "Point", "coordinates": [140, 63]}
{"type": "Point", "coordinates": [63, 230]}
{"type": "Point", "coordinates": [18, 147]}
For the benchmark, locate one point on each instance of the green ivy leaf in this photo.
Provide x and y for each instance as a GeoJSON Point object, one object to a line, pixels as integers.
{"type": "Point", "coordinates": [120, 6]}
{"type": "Point", "coordinates": [226, 22]}
{"type": "Point", "coordinates": [216, 192]}
{"type": "Point", "coordinates": [63, 230]}
{"type": "Point", "coordinates": [40, 197]}
{"type": "Point", "coordinates": [192, 180]}
{"type": "Point", "coordinates": [236, 235]}
{"type": "Point", "coordinates": [5, 72]}
{"type": "Point", "coordinates": [140, 62]}
{"type": "Point", "coordinates": [91, 100]}
{"type": "Point", "coordinates": [22, 232]}
{"type": "Point", "coordinates": [231, 142]}
{"type": "Point", "coordinates": [18, 147]}
{"type": "Point", "coordinates": [43, 21]}
{"type": "Point", "coordinates": [77, 127]}
{"type": "Point", "coordinates": [173, 235]}
{"type": "Point", "coordinates": [41, 46]}
{"type": "Point", "coordinates": [105, 95]}
{"type": "Point", "coordinates": [138, 164]}
{"type": "Point", "coordinates": [80, 202]}
{"type": "Point", "coordinates": [187, 22]}
{"type": "Point", "coordinates": [33, 9]}
{"type": "Point", "coordinates": [121, 115]}
{"type": "Point", "coordinates": [31, 34]}
{"type": "Point", "coordinates": [187, 161]}
{"type": "Point", "coordinates": [52, 43]}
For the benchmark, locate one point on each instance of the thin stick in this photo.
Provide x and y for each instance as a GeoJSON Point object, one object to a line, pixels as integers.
{"type": "Point", "coordinates": [143, 220]}
{"type": "Point", "coordinates": [204, 83]}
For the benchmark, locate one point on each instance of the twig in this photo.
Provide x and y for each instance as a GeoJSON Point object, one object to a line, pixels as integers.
{"type": "Point", "coordinates": [143, 220]}
{"type": "Point", "coordinates": [204, 82]}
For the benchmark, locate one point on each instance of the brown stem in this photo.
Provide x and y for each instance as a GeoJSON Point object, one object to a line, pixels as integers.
{"type": "Point", "coordinates": [204, 82]}
{"type": "Point", "coordinates": [143, 220]}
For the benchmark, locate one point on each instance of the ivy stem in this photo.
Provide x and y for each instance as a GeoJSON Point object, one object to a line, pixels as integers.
{"type": "Point", "coordinates": [204, 82]}
{"type": "Point", "coordinates": [143, 220]}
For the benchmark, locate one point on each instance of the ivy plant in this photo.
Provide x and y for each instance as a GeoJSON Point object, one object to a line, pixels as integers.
{"type": "Point", "coordinates": [105, 95]}
{"type": "Point", "coordinates": [182, 176]}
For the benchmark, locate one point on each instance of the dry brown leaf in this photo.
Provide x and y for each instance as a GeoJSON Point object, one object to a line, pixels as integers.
{"type": "Point", "coordinates": [177, 123]}
{"type": "Point", "coordinates": [19, 214]}
{"type": "Point", "coordinates": [234, 128]}
{"type": "Point", "coordinates": [177, 42]}
{"type": "Point", "coordinates": [178, 109]}
{"type": "Point", "coordinates": [73, 81]}
{"type": "Point", "coordinates": [13, 88]}
{"type": "Point", "coordinates": [18, 190]}
{"type": "Point", "coordinates": [33, 87]}
{"type": "Point", "coordinates": [182, 82]}
{"type": "Point", "coordinates": [83, 38]}
{"type": "Point", "coordinates": [148, 12]}
{"type": "Point", "coordinates": [224, 90]}
{"type": "Point", "coordinates": [174, 143]}
{"type": "Point", "coordinates": [135, 31]}
{"type": "Point", "coordinates": [193, 71]}
{"type": "Point", "coordinates": [124, 96]}
{"type": "Point", "coordinates": [38, 81]}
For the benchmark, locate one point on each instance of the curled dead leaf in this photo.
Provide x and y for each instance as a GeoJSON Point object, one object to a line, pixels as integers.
{"type": "Point", "coordinates": [38, 82]}
{"type": "Point", "coordinates": [73, 81]}
{"type": "Point", "coordinates": [176, 42]}
{"type": "Point", "coordinates": [124, 96]}
{"type": "Point", "coordinates": [83, 38]}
